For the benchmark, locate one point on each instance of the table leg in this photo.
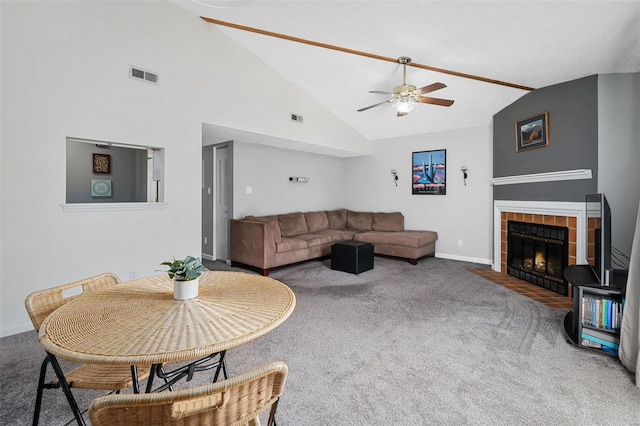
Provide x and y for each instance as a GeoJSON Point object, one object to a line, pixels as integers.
{"type": "Point", "coordinates": [188, 370]}
{"type": "Point", "coordinates": [134, 379]}
{"type": "Point", "coordinates": [222, 365]}
{"type": "Point", "coordinates": [66, 389]}
{"type": "Point", "coordinates": [151, 376]}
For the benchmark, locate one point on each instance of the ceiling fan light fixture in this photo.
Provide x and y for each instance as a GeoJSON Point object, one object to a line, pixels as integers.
{"type": "Point", "coordinates": [404, 104]}
{"type": "Point", "coordinates": [405, 97]}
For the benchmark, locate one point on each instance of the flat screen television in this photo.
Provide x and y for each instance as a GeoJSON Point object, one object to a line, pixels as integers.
{"type": "Point", "coordinates": [599, 237]}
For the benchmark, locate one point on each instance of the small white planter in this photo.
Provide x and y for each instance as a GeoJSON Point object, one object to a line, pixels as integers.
{"type": "Point", "coordinates": [184, 290]}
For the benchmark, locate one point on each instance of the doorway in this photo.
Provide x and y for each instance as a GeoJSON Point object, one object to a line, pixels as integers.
{"type": "Point", "coordinates": [217, 200]}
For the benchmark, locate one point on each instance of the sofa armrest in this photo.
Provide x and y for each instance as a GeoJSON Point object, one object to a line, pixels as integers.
{"type": "Point", "coordinates": [252, 243]}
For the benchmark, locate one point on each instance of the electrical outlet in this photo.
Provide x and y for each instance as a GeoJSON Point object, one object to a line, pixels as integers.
{"type": "Point", "coordinates": [133, 275]}
{"type": "Point", "coordinates": [205, 240]}
{"type": "Point", "coordinates": [459, 243]}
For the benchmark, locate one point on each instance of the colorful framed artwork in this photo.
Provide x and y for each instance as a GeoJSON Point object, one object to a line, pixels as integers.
{"type": "Point", "coordinates": [532, 132]}
{"type": "Point", "coordinates": [102, 163]}
{"type": "Point", "coordinates": [429, 172]}
{"type": "Point", "coordinates": [100, 188]}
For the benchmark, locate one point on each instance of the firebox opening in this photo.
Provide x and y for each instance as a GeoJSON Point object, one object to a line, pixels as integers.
{"type": "Point", "coordinates": [538, 254]}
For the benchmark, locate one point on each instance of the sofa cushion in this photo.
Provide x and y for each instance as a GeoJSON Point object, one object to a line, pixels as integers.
{"type": "Point", "coordinates": [413, 239]}
{"type": "Point", "coordinates": [313, 240]}
{"type": "Point", "coordinates": [391, 222]}
{"type": "Point", "coordinates": [338, 234]}
{"type": "Point", "coordinates": [272, 222]}
{"type": "Point", "coordinates": [292, 224]}
{"type": "Point", "coordinates": [337, 219]}
{"type": "Point", "coordinates": [316, 221]}
{"type": "Point", "coordinates": [289, 244]}
{"type": "Point", "coordinates": [362, 221]}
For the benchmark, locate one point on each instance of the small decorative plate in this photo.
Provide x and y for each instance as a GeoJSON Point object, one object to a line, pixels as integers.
{"type": "Point", "coordinates": [100, 188]}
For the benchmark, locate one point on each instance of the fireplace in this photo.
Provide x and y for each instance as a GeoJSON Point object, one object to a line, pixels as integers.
{"type": "Point", "coordinates": [569, 215]}
{"type": "Point", "coordinates": [538, 253]}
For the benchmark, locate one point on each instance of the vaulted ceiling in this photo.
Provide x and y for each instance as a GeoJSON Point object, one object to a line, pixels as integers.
{"type": "Point", "coordinates": [527, 43]}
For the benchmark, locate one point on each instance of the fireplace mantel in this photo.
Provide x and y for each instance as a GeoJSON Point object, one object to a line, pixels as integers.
{"type": "Point", "coordinates": [550, 208]}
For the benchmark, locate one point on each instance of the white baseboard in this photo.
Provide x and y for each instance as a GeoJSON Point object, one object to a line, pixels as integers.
{"type": "Point", "coordinates": [465, 258]}
{"type": "Point", "coordinates": [16, 330]}
{"type": "Point", "coordinates": [207, 256]}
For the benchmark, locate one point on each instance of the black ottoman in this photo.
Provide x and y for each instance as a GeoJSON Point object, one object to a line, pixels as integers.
{"type": "Point", "coordinates": [352, 256]}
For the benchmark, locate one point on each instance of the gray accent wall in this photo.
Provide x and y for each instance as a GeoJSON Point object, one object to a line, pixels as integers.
{"type": "Point", "coordinates": [594, 123]}
{"type": "Point", "coordinates": [573, 142]}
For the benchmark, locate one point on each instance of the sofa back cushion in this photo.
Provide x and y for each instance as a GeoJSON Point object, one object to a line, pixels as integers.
{"type": "Point", "coordinates": [272, 222]}
{"type": "Point", "coordinates": [316, 221]}
{"type": "Point", "coordinates": [292, 224]}
{"type": "Point", "coordinates": [389, 222]}
{"type": "Point", "coordinates": [360, 221]}
{"type": "Point", "coordinates": [337, 219]}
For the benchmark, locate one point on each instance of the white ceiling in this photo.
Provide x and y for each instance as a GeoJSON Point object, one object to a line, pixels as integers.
{"type": "Point", "coordinates": [529, 43]}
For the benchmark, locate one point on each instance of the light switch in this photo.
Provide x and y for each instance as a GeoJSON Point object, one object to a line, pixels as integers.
{"type": "Point", "coordinates": [248, 189]}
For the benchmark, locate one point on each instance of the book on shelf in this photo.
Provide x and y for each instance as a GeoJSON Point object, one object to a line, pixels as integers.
{"type": "Point", "coordinates": [590, 344]}
{"type": "Point", "coordinates": [601, 312]}
{"type": "Point", "coordinates": [604, 335]}
{"type": "Point", "coordinates": [603, 342]}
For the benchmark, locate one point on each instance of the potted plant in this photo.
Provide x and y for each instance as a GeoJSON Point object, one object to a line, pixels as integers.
{"type": "Point", "coordinates": [185, 273]}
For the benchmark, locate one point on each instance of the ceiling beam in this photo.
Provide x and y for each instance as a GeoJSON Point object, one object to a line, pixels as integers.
{"type": "Point", "coordinates": [361, 53]}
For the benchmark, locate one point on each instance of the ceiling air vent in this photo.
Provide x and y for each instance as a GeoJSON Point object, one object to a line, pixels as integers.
{"type": "Point", "coordinates": [297, 118]}
{"type": "Point", "coordinates": [140, 74]}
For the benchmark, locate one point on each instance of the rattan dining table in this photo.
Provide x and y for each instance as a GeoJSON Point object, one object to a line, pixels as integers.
{"type": "Point", "coordinates": [139, 323]}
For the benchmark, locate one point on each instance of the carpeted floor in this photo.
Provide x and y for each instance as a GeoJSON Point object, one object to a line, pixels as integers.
{"type": "Point", "coordinates": [400, 344]}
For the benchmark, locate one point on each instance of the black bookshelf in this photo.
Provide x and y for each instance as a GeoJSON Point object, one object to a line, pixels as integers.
{"type": "Point", "coordinates": [594, 322]}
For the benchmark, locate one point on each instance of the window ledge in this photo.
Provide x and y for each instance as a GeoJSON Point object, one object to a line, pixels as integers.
{"type": "Point", "coordinates": [110, 207]}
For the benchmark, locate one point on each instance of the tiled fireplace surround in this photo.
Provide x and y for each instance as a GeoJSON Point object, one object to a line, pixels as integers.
{"type": "Point", "coordinates": [569, 214]}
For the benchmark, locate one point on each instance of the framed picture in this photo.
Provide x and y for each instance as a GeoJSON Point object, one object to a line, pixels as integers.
{"type": "Point", "coordinates": [532, 132]}
{"type": "Point", "coordinates": [100, 188]}
{"type": "Point", "coordinates": [429, 172]}
{"type": "Point", "coordinates": [102, 163]}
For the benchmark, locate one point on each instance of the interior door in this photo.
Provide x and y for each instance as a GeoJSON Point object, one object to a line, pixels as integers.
{"type": "Point", "coordinates": [208, 243]}
{"type": "Point", "coordinates": [223, 198]}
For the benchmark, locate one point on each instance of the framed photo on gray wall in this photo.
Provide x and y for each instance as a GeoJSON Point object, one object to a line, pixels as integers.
{"type": "Point", "coordinates": [532, 132]}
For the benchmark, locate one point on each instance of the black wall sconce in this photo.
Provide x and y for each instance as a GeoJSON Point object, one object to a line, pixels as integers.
{"type": "Point", "coordinates": [394, 173]}
{"type": "Point", "coordinates": [464, 174]}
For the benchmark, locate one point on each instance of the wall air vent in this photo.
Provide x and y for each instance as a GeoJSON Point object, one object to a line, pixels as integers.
{"type": "Point", "coordinates": [297, 118]}
{"type": "Point", "coordinates": [137, 73]}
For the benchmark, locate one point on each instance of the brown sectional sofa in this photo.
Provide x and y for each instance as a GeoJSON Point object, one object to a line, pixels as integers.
{"type": "Point", "coordinates": [266, 242]}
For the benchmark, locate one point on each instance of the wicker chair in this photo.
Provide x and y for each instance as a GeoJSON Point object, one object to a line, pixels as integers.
{"type": "Point", "coordinates": [88, 376]}
{"type": "Point", "coordinates": [235, 401]}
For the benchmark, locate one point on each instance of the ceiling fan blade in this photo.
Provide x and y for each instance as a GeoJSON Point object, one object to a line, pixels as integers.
{"type": "Point", "coordinates": [429, 88]}
{"type": "Point", "coordinates": [380, 92]}
{"type": "Point", "coordinates": [372, 106]}
{"type": "Point", "coordinates": [435, 101]}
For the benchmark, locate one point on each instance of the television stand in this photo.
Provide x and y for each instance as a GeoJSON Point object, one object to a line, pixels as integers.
{"type": "Point", "coordinates": [586, 286]}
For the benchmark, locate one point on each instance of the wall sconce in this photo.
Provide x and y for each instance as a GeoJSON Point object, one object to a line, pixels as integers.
{"type": "Point", "coordinates": [394, 173]}
{"type": "Point", "coordinates": [464, 174]}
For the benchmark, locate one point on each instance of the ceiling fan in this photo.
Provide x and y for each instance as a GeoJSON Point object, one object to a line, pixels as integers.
{"type": "Point", "coordinates": [405, 97]}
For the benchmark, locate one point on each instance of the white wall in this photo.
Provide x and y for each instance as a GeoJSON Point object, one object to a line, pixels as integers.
{"type": "Point", "coordinates": [64, 74]}
{"type": "Point", "coordinates": [619, 152]}
{"type": "Point", "coordinates": [266, 170]}
{"type": "Point", "coordinates": [464, 213]}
